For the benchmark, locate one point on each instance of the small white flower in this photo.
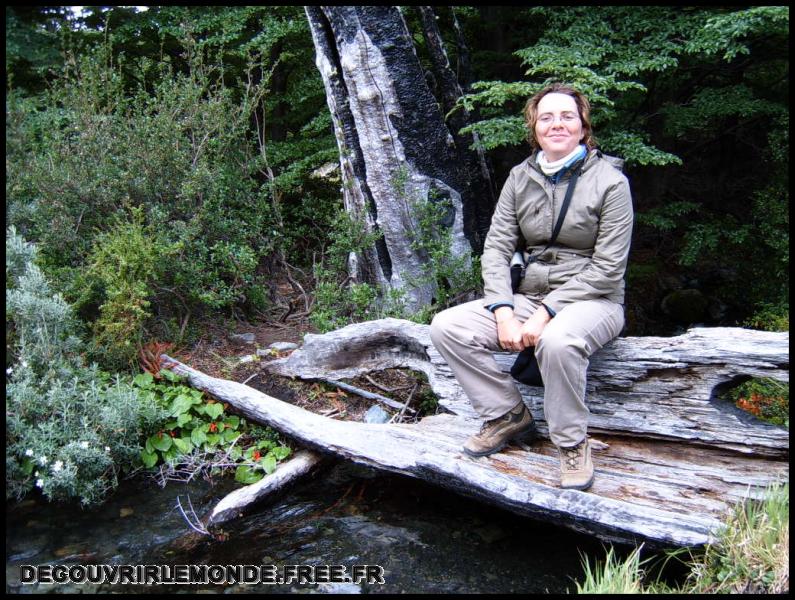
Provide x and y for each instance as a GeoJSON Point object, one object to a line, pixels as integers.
{"type": "Point", "coordinates": [28, 452]}
{"type": "Point", "coordinates": [43, 460]}
{"type": "Point", "coordinates": [40, 483]}
{"type": "Point", "coordinates": [36, 474]}
{"type": "Point", "coordinates": [24, 363]}
{"type": "Point", "coordinates": [84, 444]}
{"type": "Point", "coordinates": [9, 370]}
{"type": "Point", "coordinates": [57, 466]}
{"type": "Point", "coordinates": [107, 448]}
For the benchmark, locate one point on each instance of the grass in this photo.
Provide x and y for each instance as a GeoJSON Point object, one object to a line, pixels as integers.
{"type": "Point", "coordinates": [751, 555]}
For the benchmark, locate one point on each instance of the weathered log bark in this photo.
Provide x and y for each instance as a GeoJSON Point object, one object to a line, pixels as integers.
{"type": "Point", "coordinates": [665, 487]}
{"type": "Point", "coordinates": [652, 387]}
{"type": "Point", "coordinates": [395, 150]}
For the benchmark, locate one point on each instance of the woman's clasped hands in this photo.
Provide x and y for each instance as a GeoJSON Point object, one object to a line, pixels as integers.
{"type": "Point", "coordinates": [516, 336]}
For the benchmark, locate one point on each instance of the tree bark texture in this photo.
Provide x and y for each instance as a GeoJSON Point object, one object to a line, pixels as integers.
{"type": "Point", "coordinates": [395, 150]}
{"type": "Point", "coordinates": [670, 458]}
{"type": "Point", "coordinates": [480, 186]}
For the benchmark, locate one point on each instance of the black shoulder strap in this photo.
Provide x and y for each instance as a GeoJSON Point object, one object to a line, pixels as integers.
{"type": "Point", "coordinates": [565, 207]}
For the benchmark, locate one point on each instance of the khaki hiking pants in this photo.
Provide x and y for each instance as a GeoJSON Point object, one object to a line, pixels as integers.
{"type": "Point", "coordinates": [466, 336]}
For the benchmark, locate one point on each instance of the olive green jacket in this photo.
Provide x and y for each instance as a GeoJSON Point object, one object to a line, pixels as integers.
{"type": "Point", "coordinates": [589, 257]}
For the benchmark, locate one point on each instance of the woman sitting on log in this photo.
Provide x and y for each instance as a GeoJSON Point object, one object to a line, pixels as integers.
{"type": "Point", "coordinates": [569, 301]}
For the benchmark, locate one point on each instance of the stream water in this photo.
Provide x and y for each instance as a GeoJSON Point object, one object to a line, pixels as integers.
{"type": "Point", "coordinates": [426, 539]}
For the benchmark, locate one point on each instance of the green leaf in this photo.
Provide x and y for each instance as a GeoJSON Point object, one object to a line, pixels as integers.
{"type": "Point", "coordinates": [214, 410]}
{"type": "Point", "coordinates": [183, 418]}
{"type": "Point", "coordinates": [281, 452]}
{"type": "Point", "coordinates": [170, 376]}
{"type": "Point", "coordinates": [198, 436]}
{"type": "Point", "coordinates": [268, 463]}
{"type": "Point", "coordinates": [233, 422]}
{"type": "Point", "coordinates": [148, 458]}
{"type": "Point", "coordinates": [184, 445]}
{"type": "Point", "coordinates": [244, 474]}
{"type": "Point", "coordinates": [265, 445]}
{"type": "Point", "coordinates": [230, 435]}
{"type": "Point", "coordinates": [181, 405]}
{"type": "Point", "coordinates": [143, 380]}
{"type": "Point", "coordinates": [171, 454]}
{"type": "Point", "coordinates": [213, 439]}
{"type": "Point", "coordinates": [160, 441]}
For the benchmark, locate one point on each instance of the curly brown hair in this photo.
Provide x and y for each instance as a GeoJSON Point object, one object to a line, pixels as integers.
{"type": "Point", "coordinates": [583, 107]}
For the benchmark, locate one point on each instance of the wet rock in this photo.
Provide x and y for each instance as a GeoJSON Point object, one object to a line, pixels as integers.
{"type": "Point", "coordinates": [23, 555]}
{"type": "Point", "coordinates": [68, 550]}
{"type": "Point", "coordinates": [376, 414]}
{"type": "Point", "coordinates": [339, 588]}
{"type": "Point", "coordinates": [283, 346]}
{"type": "Point", "coordinates": [491, 533]}
{"type": "Point", "coordinates": [241, 339]}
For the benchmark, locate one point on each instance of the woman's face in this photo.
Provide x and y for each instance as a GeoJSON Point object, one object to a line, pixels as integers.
{"type": "Point", "coordinates": [558, 126]}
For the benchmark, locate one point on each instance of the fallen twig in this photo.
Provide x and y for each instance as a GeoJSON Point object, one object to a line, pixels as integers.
{"type": "Point", "coordinates": [365, 394]}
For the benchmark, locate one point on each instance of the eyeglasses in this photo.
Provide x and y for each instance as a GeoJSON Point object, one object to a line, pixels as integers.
{"type": "Point", "coordinates": [547, 119]}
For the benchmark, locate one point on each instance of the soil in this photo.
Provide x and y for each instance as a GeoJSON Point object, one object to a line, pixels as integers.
{"type": "Point", "coordinates": [216, 354]}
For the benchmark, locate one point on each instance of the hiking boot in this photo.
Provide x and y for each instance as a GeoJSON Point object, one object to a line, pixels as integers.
{"type": "Point", "coordinates": [576, 466]}
{"type": "Point", "coordinates": [496, 433]}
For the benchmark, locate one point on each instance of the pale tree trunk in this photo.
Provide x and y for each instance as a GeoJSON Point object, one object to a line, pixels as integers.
{"type": "Point", "coordinates": [395, 150]}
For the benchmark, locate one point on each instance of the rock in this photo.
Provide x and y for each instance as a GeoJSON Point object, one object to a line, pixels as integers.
{"type": "Point", "coordinates": [669, 282]}
{"type": "Point", "coordinates": [339, 588]}
{"type": "Point", "coordinates": [241, 339]}
{"type": "Point", "coordinates": [376, 414]}
{"type": "Point", "coordinates": [248, 358]}
{"type": "Point", "coordinates": [283, 346]}
{"type": "Point", "coordinates": [126, 512]}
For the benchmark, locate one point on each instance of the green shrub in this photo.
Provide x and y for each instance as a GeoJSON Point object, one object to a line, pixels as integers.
{"type": "Point", "coordinates": [770, 317]}
{"type": "Point", "coordinates": [179, 156]}
{"type": "Point", "coordinates": [124, 264]}
{"type": "Point", "coordinates": [197, 425]}
{"type": "Point", "coordinates": [766, 399]}
{"type": "Point", "coordinates": [70, 430]}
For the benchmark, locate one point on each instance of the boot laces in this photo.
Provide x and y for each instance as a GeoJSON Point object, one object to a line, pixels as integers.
{"type": "Point", "coordinates": [572, 454]}
{"type": "Point", "coordinates": [486, 425]}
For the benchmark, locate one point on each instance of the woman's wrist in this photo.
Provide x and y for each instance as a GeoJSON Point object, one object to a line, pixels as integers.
{"type": "Point", "coordinates": [503, 314]}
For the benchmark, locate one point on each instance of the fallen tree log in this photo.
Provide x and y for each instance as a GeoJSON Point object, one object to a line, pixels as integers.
{"type": "Point", "coordinates": [234, 504]}
{"type": "Point", "coordinates": [673, 457]}
{"type": "Point", "coordinates": [653, 387]}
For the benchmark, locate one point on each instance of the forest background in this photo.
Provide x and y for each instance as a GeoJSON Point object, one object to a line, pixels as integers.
{"type": "Point", "coordinates": [173, 168]}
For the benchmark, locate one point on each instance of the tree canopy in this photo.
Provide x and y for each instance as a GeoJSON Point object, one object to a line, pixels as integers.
{"type": "Point", "coordinates": [188, 136]}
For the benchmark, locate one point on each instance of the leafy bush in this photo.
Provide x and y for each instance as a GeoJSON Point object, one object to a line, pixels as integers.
{"type": "Point", "coordinates": [770, 317]}
{"type": "Point", "coordinates": [70, 429]}
{"type": "Point", "coordinates": [179, 158]}
{"type": "Point", "coordinates": [199, 425]}
{"type": "Point", "coordinates": [766, 399]}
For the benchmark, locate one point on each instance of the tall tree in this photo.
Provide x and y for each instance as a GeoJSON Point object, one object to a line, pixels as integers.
{"type": "Point", "coordinates": [396, 153]}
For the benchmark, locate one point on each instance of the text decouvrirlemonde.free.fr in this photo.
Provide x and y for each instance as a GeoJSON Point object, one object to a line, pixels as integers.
{"type": "Point", "coordinates": [201, 574]}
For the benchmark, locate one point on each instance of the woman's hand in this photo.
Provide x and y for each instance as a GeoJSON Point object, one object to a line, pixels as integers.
{"type": "Point", "coordinates": [534, 326]}
{"type": "Point", "coordinates": [509, 329]}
